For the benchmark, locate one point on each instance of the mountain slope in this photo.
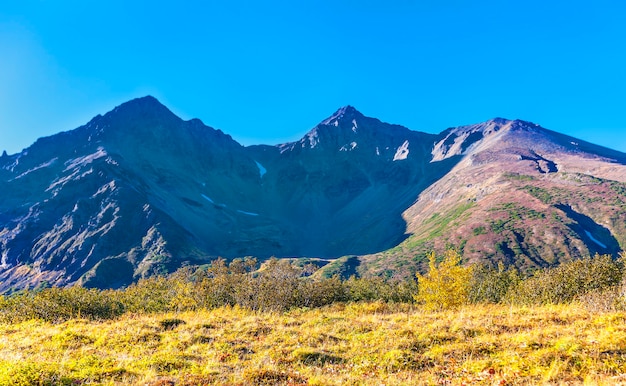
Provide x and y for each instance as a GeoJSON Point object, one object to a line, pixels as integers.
{"type": "Point", "coordinates": [80, 201]}
{"type": "Point", "coordinates": [519, 194]}
{"type": "Point", "coordinates": [345, 184]}
{"type": "Point", "coordinates": [139, 191]}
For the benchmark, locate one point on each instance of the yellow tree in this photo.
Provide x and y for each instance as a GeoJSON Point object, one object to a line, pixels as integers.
{"type": "Point", "coordinates": [447, 283]}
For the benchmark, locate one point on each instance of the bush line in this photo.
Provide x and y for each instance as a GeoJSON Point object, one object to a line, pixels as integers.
{"type": "Point", "coordinates": [598, 283]}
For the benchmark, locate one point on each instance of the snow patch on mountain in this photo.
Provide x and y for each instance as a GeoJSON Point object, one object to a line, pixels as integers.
{"type": "Point", "coordinates": [58, 184]}
{"type": "Point", "coordinates": [402, 152]}
{"type": "Point", "coordinates": [207, 198]}
{"type": "Point", "coordinates": [262, 170]}
{"type": "Point", "coordinates": [313, 139]}
{"type": "Point", "coordinates": [333, 120]}
{"type": "Point", "coordinates": [348, 147]}
{"type": "Point", "coordinates": [105, 188]}
{"type": "Point", "coordinates": [4, 259]}
{"type": "Point", "coordinates": [247, 213]}
{"type": "Point", "coordinates": [41, 166]}
{"type": "Point", "coordinates": [598, 242]}
{"type": "Point", "coordinates": [354, 125]}
{"type": "Point", "coordinates": [15, 163]}
{"type": "Point", "coordinates": [213, 202]}
{"type": "Point", "coordinates": [82, 161]}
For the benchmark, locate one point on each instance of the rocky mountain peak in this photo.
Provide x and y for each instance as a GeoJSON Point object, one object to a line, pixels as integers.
{"type": "Point", "coordinates": [144, 125]}
{"type": "Point", "coordinates": [348, 129]}
{"type": "Point", "coordinates": [512, 123]}
{"type": "Point", "coordinates": [345, 114]}
{"type": "Point", "coordinates": [499, 120]}
{"type": "Point", "coordinates": [144, 108]}
{"type": "Point", "coordinates": [456, 141]}
{"type": "Point", "coordinates": [145, 102]}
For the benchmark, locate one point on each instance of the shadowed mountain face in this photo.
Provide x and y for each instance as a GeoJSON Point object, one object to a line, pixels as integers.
{"type": "Point", "coordinates": [139, 191]}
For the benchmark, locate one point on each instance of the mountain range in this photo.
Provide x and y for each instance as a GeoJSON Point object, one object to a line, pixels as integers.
{"type": "Point", "coordinates": [139, 191]}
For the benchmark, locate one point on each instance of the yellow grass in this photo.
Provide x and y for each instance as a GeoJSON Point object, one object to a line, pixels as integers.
{"type": "Point", "coordinates": [353, 344]}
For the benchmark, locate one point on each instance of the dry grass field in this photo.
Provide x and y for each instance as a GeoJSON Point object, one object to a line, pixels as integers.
{"type": "Point", "coordinates": [367, 343]}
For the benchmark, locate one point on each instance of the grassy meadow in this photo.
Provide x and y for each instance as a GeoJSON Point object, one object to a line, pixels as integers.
{"type": "Point", "coordinates": [234, 324]}
{"type": "Point", "coordinates": [369, 343]}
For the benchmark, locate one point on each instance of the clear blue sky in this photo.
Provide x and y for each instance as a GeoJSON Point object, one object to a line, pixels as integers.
{"type": "Point", "coordinates": [268, 71]}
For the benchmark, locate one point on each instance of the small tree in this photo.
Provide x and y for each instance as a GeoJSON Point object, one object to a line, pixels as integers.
{"type": "Point", "coordinates": [447, 283]}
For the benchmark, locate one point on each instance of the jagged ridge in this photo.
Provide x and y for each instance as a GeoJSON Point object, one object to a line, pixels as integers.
{"type": "Point", "coordinates": [139, 191]}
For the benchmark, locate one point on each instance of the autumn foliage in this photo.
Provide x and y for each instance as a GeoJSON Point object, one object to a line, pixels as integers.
{"type": "Point", "coordinates": [447, 283]}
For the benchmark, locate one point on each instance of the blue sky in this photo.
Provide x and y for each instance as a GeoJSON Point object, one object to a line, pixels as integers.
{"type": "Point", "coordinates": [266, 72]}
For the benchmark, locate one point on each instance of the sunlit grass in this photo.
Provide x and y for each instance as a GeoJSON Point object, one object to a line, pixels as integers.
{"type": "Point", "coordinates": [364, 343]}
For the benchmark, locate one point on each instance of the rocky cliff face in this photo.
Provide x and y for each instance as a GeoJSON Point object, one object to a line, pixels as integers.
{"type": "Point", "coordinates": [139, 191]}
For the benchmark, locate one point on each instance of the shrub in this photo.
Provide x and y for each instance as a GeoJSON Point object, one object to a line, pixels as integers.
{"type": "Point", "coordinates": [28, 373]}
{"type": "Point", "coordinates": [150, 295]}
{"type": "Point", "coordinates": [490, 285]}
{"type": "Point", "coordinates": [317, 293]}
{"type": "Point", "coordinates": [60, 304]}
{"type": "Point", "coordinates": [608, 300]}
{"type": "Point", "coordinates": [568, 281]}
{"type": "Point", "coordinates": [447, 283]}
{"type": "Point", "coordinates": [598, 283]}
{"type": "Point", "coordinates": [277, 286]}
{"type": "Point", "coordinates": [171, 323]}
{"type": "Point", "coordinates": [378, 288]}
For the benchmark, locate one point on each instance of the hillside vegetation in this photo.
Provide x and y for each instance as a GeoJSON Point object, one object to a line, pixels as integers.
{"type": "Point", "coordinates": [237, 324]}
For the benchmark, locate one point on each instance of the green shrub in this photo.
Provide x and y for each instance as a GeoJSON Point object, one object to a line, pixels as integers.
{"type": "Point", "coordinates": [277, 286]}
{"type": "Point", "coordinates": [321, 292]}
{"type": "Point", "coordinates": [28, 373]}
{"type": "Point", "coordinates": [490, 285]}
{"type": "Point", "coordinates": [60, 304]}
{"type": "Point", "coordinates": [149, 295]}
{"type": "Point", "coordinates": [378, 288]}
{"type": "Point", "coordinates": [568, 281]}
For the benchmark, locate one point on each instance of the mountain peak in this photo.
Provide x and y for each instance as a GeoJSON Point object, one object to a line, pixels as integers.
{"type": "Point", "coordinates": [146, 98]}
{"type": "Point", "coordinates": [347, 109]}
{"type": "Point", "coordinates": [347, 129]}
{"type": "Point", "coordinates": [147, 105]}
{"type": "Point", "coordinates": [344, 114]}
{"type": "Point", "coordinates": [499, 120]}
